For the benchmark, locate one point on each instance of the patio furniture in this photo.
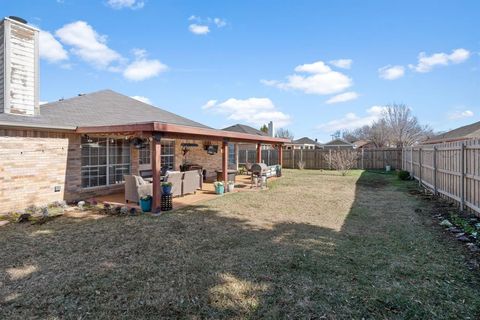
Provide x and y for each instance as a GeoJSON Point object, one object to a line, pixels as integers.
{"type": "Point", "coordinates": [230, 173]}
{"type": "Point", "coordinates": [192, 181]}
{"type": "Point", "coordinates": [135, 188]}
{"type": "Point", "coordinates": [262, 170]}
{"type": "Point", "coordinates": [175, 177]}
{"type": "Point", "coordinates": [248, 167]}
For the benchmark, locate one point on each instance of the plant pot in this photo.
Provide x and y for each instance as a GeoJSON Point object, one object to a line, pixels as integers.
{"type": "Point", "coordinates": [231, 187]}
{"type": "Point", "coordinates": [388, 168]}
{"type": "Point", "coordinates": [166, 189]}
{"type": "Point", "coordinates": [146, 205]}
{"type": "Point", "coordinates": [220, 190]}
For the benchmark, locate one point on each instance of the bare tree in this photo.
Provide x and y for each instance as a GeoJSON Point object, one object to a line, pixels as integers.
{"type": "Point", "coordinates": [403, 127]}
{"type": "Point", "coordinates": [342, 160]}
{"type": "Point", "coordinates": [284, 133]}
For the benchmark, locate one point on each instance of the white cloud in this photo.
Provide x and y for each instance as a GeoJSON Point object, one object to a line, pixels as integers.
{"type": "Point", "coordinates": [353, 121]}
{"type": "Point", "coordinates": [343, 97]}
{"type": "Point", "coordinates": [219, 22]}
{"type": "Point", "coordinates": [142, 99]}
{"type": "Point", "coordinates": [120, 4]}
{"type": "Point", "coordinates": [459, 114]}
{"type": "Point", "coordinates": [50, 48]}
{"type": "Point", "coordinates": [320, 79]}
{"type": "Point", "coordinates": [88, 44]}
{"type": "Point", "coordinates": [201, 26]}
{"type": "Point", "coordinates": [198, 29]}
{"type": "Point", "coordinates": [427, 63]}
{"type": "Point", "coordinates": [342, 63]}
{"type": "Point", "coordinates": [209, 104]}
{"type": "Point", "coordinates": [391, 72]}
{"type": "Point", "coordinates": [256, 111]}
{"type": "Point", "coordinates": [142, 68]}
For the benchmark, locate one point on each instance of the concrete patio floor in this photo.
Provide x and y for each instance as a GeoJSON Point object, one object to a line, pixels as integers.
{"type": "Point", "coordinates": [242, 184]}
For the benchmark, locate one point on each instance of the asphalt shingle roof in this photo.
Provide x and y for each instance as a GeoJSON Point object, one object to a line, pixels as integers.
{"type": "Point", "coordinates": [467, 132]}
{"type": "Point", "coordinates": [245, 129]}
{"type": "Point", "coordinates": [101, 108]}
{"type": "Point", "coordinates": [304, 140]}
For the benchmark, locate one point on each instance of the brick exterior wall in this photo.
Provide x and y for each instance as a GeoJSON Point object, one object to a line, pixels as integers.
{"type": "Point", "coordinates": [198, 155]}
{"type": "Point", "coordinates": [33, 163]}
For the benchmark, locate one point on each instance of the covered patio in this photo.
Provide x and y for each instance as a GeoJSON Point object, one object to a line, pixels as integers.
{"type": "Point", "coordinates": [242, 184]}
{"type": "Point", "coordinates": [214, 142]}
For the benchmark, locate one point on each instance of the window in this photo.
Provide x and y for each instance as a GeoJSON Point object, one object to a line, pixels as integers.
{"type": "Point", "coordinates": [104, 161]}
{"type": "Point", "coordinates": [144, 156]}
{"type": "Point", "coordinates": [168, 154]}
{"type": "Point", "coordinates": [167, 157]}
{"type": "Point", "coordinates": [231, 154]}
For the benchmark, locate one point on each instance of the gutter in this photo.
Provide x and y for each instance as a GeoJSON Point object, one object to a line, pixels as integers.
{"type": "Point", "coordinates": [36, 126]}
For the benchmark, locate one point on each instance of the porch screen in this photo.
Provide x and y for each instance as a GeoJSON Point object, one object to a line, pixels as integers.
{"type": "Point", "coordinates": [104, 161]}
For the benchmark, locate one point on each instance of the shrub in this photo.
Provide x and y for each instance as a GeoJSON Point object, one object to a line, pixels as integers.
{"type": "Point", "coordinates": [403, 175]}
{"type": "Point", "coordinates": [342, 160]}
{"type": "Point", "coordinates": [301, 165]}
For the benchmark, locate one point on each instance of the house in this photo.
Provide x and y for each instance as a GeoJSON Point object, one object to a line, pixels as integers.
{"type": "Point", "coordinates": [82, 147]}
{"type": "Point", "coordinates": [364, 144]}
{"type": "Point", "coordinates": [338, 144]}
{"type": "Point", "coordinates": [304, 143]}
{"type": "Point", "coordinates": [471, 131]}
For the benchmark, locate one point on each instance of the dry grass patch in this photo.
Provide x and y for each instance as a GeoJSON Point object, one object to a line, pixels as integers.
{"type": "Point", "coordinates": [315, 244]}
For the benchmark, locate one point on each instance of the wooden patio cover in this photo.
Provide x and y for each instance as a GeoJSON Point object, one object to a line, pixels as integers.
{"type": "Point", "coordinates": [159, 130]}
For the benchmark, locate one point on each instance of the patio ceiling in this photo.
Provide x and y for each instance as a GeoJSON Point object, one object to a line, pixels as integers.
{"type": "Point", "coordinates": [184, 132]}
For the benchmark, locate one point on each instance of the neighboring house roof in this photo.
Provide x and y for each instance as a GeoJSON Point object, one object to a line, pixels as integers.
{"type": "Point", "coordinates": [466, 132]}
{"type": "Point", "coordinates": [338, 142]}
{"type": "Point", "coordinates": [245, 129]}
{"type": "Point", "coordinates": [361, 143]}
{"type": "Point", "coordinates": [101, 108]}
{"type": "Point", "coordinates": [305, 140]}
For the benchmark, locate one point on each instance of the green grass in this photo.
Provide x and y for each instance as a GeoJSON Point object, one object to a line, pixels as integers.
{"type": "Point", "coordinates": [316, 244]}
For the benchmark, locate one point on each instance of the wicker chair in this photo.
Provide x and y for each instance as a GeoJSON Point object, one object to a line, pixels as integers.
{"type": "Point", "coordinates": [191, 182]}
{"type": "Point", "coordinates": [135, 188]}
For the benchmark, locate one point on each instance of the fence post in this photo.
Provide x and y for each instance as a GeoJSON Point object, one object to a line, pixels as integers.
{"type": "Point", "coordinates": [363, 155]}
{"type": "Point", "coordinates": [411, 161]}
{"type": "Point", "coordinates": [435, 192]}
{"type": "Point", "coordinates": [293, 157]}
{"type": "Point", "coordinates": [330, 159]}
{"type": "Point", "coordinates": [420, 166]}
{"type": "Point", "coordinates": [462, 168]}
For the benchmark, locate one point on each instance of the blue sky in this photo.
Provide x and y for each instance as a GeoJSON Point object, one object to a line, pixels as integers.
{"type": "Point", "coordinates": [311, 66]}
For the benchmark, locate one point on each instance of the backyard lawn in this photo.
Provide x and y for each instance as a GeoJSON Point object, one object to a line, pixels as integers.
{"type": "Point", "coordinates": [315, 245]}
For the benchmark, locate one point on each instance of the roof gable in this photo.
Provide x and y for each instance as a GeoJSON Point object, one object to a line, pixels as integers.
{"type": "Point", "coordinates": [468, 131]}
{"type": "Point", "coordinates": [304, 140]}
{"type": "Point", "coordinates": [338, 142]}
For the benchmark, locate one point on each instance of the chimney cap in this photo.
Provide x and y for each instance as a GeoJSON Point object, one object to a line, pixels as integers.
{"type": "Point", "coordinates": [18, 19]}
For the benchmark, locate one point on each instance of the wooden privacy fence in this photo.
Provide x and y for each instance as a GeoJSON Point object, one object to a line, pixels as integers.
{"type": "Point", "coordinates": [451, 170]}
{"type": "Point", "coordinates": [316, 159]}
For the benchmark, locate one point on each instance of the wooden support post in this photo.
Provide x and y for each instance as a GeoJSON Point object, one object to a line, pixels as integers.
{"type": "Point", "coordinates": [420, 167]}
{"type": "Point", "coordinates": [236, 150]}
{"type": "Point", "coordinates": [280, 155]}
{"type": "Point", "coordinates": [293, 157]}
{"type": "Point", "coordinates": [435, 191]}
{"type": "Point", "coordinates": [156, 171]}
{"type": "Point", "coordinates": [462, 177]}
{"type": "Point", "coordinates": [225, 163]}
{"type": "Point", "coordinates": [259, 153]}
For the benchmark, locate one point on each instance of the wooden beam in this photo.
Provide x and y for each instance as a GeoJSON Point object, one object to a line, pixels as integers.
{"type": "Point", "coordinates": [156, 170]}
{"type": "Point", "coordinates": [139, 127]}
{"type": "Point", "coordinates": [225, 163]}
{"type": "Point", "coordinates": [259, 153]}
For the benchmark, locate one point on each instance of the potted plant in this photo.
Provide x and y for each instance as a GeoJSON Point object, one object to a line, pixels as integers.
{"type": "Point", "coordinates": [166, 187]}
{"type": "Point", "coordinates": [219, 187]}
{"type": "Point", "coordinates": [231, 186]}
{"type": "Point", "coordinates": [146, 203]}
